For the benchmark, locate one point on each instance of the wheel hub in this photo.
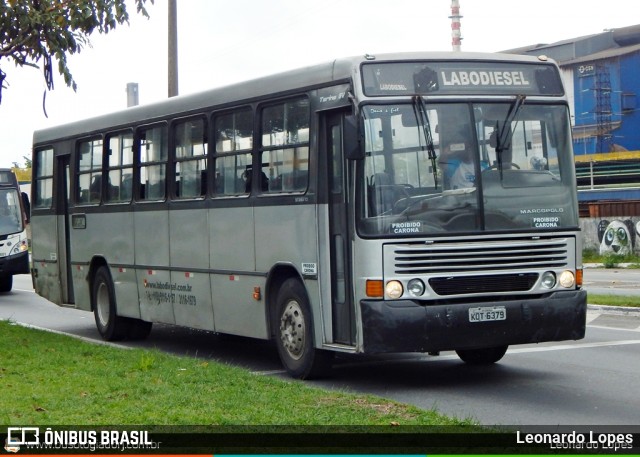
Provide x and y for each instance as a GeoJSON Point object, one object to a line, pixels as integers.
{"type": "Point", "coordinates": [102, 304]}
{"type": "Point", "coordinates": [292, 330]}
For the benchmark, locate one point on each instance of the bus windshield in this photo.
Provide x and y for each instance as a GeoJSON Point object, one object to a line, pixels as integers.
{"type": "Point", "coordinates": [437, 168]}
{"type": "Point", "coordinates": [10, 212]}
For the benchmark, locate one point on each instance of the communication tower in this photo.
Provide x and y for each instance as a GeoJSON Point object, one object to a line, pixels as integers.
{"type": "Point", "coordinates": [456, 37]}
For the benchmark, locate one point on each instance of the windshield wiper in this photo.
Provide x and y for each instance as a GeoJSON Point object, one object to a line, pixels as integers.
{"type": "Point", "coordinates": [420, 111]}
{"type": "Point", "coordinates": [506, 133]}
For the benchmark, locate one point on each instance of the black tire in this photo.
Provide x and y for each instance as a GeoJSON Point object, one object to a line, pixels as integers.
{"type": "Point", "coordinates": [6, 283]}
{"type": "Point", "coordinates": [484, 356]}
{"type": "Point", "coordinates": [294, 334]}
{"type": "Point", "coordinates": [111, 326]}
{"type": "Point", "coordinates": [138, 329]}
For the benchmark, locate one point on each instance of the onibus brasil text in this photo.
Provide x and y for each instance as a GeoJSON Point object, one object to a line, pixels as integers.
{"type": "Point", "coordinates": [92, 439]}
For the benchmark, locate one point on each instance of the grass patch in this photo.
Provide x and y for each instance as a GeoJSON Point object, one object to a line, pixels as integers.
{"type": "Point", "coordinates": [614, 300]}
{"type": "Point", "coordinates": [51, 379]}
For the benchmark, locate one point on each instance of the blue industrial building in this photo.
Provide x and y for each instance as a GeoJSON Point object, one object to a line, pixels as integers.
{"type": "Point", "coordinates": [602, 78]}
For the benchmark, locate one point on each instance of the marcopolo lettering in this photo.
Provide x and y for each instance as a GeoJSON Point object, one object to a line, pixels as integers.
{"type": "Point", "coordinates": [484, 78]}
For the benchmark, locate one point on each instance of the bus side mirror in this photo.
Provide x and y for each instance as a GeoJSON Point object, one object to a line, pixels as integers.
{"type": "Point", "coordinates": [351, 140]}
{"type": "Point", "coordinates": [27, 207]}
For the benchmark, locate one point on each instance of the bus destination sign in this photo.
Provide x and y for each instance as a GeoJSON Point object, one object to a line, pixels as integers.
{"type": "Point", "coordinates": [473, 78]}
{"type": "Point", "coordinates": [484, 78]}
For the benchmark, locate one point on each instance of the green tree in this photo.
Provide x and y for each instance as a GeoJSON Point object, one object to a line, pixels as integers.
{"type": "Point", "coordinates": [37, 33]}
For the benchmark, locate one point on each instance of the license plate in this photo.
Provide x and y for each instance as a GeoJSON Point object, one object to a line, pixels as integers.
{"type": "Point", "coordinates": [484, 314]}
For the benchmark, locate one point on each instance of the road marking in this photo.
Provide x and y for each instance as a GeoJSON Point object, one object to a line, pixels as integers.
{"type": "Point", "coordinates": [518, 350]}
{"type": "Point", "coordinates": [561, 347]}
{"type": "Point", "coordinates": [605, 327]}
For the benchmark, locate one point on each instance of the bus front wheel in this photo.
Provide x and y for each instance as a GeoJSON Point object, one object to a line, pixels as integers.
{"type": "Point", "coordinates": [111, 326]}
{"type": "Point", "coordinates": [295, 334]}
{"type": "Point", "coordinates": [484, 356]}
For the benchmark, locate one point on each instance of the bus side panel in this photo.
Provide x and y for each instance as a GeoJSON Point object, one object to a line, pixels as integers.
{"type": "Point", "coordinates": [232, 250]}
{"type": "Point", "coordinates": [286, 234]}
{"type": "Point", "coordinates": [236, 311]}
{"type": "Point", "coordinates": [295, 243]}
{"type": "Point", "coordinates": [45, 257]}
{"type": "Point", "coordinates": [107, 236]}
{"type": "Point", "coordinates": [190, 257]}
{"type": "Point", "coordinates": [124, 282]}
{"type": "Point", "coordinates": [81, 287]}
{"type": "Point", "coordinates": [151, 237]}
{"type": "Point", "coordinates": [120, 254]}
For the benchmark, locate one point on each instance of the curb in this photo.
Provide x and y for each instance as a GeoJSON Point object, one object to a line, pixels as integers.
{"type": "Point", "coordinates": [619, 310]}
{"type": "Point", "coordinates": [601, 265]}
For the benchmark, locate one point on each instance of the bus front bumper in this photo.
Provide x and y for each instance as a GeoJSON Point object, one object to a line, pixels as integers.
{"type": "Point", "coordinates": [16, 264]}
{"type": "Point", "coordinates": [408, 326]}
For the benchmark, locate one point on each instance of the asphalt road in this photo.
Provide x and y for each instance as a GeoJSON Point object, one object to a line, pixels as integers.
{"type": "Point", "coordinates": [614, 281]}
{"type": "Point", "coordinates": [592, 381]}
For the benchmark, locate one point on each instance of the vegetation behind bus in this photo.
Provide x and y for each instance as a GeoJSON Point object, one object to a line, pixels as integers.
{"type": "Point", "coordinates": [38, 33]}
{"type": "Point", "coordinates": [611, 260]}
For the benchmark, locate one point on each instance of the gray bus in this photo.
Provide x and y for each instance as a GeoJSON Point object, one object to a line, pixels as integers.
{"type": "Point", "coordinates": [417, 202]}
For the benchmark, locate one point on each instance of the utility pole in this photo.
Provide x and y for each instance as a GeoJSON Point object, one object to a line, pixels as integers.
{"type": "Point", "coordinates": [173, 49]}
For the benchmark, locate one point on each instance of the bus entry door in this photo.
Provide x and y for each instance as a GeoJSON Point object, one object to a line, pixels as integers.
{"type": "Point", "coordinates": [343, 322]}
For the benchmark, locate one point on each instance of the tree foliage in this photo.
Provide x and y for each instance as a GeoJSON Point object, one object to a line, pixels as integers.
{"type": "Point", "coordinates": [37, 33]}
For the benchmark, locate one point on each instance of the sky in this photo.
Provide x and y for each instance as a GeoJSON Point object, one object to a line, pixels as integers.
{"type": "Point", "coordinates": [225, 41]}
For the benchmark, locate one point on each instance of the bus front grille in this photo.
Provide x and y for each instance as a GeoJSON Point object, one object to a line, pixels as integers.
{"type": "Point", "coordinates": [480, 255]}
{"type": "Point", "coordinates": [456, 285]}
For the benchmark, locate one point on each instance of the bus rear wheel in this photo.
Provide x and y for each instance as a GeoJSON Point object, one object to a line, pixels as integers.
{"type": "Point", "coordinates": [484, 356]}
{"type": "Point", "coordinates": [294, 339]}
{"type": "Point", "coordinates": [111, 326]}
{"type": "Point", "coordinates": [138, 329]}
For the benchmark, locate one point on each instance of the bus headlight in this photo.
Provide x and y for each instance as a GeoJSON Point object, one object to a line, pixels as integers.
{"type": "Point", "coordinates": [548, 280]}
{"type": "Point", "coordinates": [567, 279]}
{"type": "Point", "coordinates": [393, 289]}
{"type": "Point", "coordinates": [20, 247]}
{"type": "Point", "coordinates": [416, 287]}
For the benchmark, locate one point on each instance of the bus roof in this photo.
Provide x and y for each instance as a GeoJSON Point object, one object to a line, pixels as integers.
{"type": "Point", "coordinates": [8, 178]}
{"type": "Point", "coordinates": [339, 70]}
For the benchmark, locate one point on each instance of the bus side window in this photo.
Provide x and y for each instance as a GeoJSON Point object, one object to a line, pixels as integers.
{"type": "Point", "coordinates": [285, 145]}
{"type": "Point", "coordinates": [191, 158]}
{"type": "Point", "coordinates": [233, 144]}
{"type": "Point", "coordinates": [90, 171]}
{"type": "Point", "coordinates": [120, 167]}
{"type": "Point", "coordinates": [152, 146]}
{"type": "Point", "coordinates": [43, 178]}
